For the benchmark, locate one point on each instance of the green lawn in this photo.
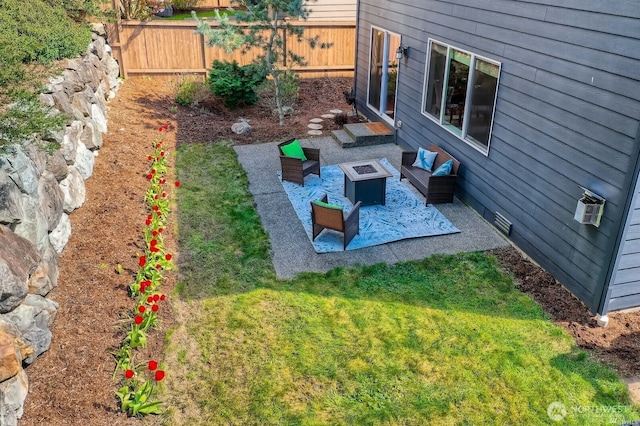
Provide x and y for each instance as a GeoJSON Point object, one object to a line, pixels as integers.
{"type": "Point", "coordinates": [443, 341]}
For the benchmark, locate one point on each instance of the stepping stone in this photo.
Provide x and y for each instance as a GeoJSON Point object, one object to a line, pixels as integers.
{"type": "Point", "coordinates": [314, 132]}
{"type": "Point", "coordinates": [314, 126]}
{"type": "Point", "coordinates": [328, 116]}
{"type": "Point", "coordinates": [335, 111]}
{"type": "Point", "coordinates": [316, 120]}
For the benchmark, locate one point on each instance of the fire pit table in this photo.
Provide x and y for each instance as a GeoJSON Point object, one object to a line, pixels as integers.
{"type": "Point", "coordinates": [365, 181]}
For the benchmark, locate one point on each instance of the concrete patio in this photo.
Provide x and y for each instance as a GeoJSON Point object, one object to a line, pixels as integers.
{"type": "Point", "coordinates": [292, 250]}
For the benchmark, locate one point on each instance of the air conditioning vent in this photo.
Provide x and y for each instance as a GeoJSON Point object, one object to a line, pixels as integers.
{"type": "Point", "coordinates": [502, 224]}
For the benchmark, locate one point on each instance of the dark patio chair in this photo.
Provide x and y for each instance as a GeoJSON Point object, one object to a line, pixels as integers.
{"type": "Point", "coordinates": [294, 169]}
{"type": "Point", "coordinates": [326, 216]}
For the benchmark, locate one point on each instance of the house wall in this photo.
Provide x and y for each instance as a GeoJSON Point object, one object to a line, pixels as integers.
{"type": "Point", "coordinates": [332, 10]}
{"type": "Point", "coordinates": [567, 115]}
{"type": "Point", "coordinates": [624, 291]}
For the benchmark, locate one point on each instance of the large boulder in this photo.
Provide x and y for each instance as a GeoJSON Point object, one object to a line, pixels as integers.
{"type": "Point", "coordinates": [13, 393]}
{"type": "Point", "coordinates": [51, 200]}
{"type": "Point", "coordinates": [21, 170]}
{"type": "Point", "coordinates": [13, 350]}
{"type": "Point", "coordinates": [10, 201]}
{"type": "Point", "coordinates": [90, 138]}
{"type": "Point", "coordinates": [73, 190]}
{"type": "Point", "coordinates": [69, 144]}
{"type": "Point", "coordinates": [33, 225]}
{"type": "Point", "coordinates": [84, 161]}
{"type": "Point", "coordinates": [45, 277]}
{"type": "Point", "coordinates": [18, 259]}
{"type": "Point", "coordinates": [60, 235]}
{"type": "Point", "coordinates": [57, 166]}
{"type": "Point", "coordinates": [33, 319]}
{"type": "Point", "coordinates": [98, 118]}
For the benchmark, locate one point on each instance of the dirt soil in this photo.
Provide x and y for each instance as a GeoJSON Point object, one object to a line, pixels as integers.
{"type": "Point", "coordinates": [72, 382]}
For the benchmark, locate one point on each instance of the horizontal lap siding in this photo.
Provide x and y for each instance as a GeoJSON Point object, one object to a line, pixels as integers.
{"type": "Point", "coordinates": [332, 10]}
{"type": "Point", "coordinates": [625, 287]}
{"type": "Point", "coordinates": [566, 116]}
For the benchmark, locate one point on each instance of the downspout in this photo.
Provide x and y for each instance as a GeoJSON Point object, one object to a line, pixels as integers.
{"type": "Point", "coordinates": [632, 183]}
{"type": "Point", "coordinates": [355, 58]}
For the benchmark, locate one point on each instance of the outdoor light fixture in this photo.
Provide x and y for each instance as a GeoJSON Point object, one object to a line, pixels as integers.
{"type": "Point", "coordinates": [401, 51]}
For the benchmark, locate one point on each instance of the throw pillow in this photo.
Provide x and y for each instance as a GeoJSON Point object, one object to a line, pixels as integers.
{"type": "Point", "coordinates": [327, 205]}
{"type": "Point", "coordinates": [425, 159]}
{"type": "Point", "coordinates": [294, 149]}
{"type": "Point", "coordinates": [444, 169]}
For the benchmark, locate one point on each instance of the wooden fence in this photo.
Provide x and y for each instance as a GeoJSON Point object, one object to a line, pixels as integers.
{"type": "Point", "coordinates": [170, 48]}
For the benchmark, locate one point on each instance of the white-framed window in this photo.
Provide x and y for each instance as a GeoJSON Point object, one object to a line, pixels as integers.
{"type": "Point", "coordinates": [460, 92]}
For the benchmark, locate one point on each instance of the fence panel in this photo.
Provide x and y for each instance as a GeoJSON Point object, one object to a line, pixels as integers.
{"type": "Point", "coordinates": [172, 47]}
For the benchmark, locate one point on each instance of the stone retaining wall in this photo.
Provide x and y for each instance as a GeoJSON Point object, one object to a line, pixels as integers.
{"type": "Point", "coordinates": [38, 191]}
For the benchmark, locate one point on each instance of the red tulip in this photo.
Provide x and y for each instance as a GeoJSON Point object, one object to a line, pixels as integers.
{"type": "Point", "coordinates": [159, 213]}
{"type": "Point", "coordinates": [147, 222]}
{"type": "Point", "coordinates": [150, 216]}
{"type": "Point", "coordinates": [177, 183]}
{"type": "Point", "coordinates": [160, 129]}
{"type": "Point", "coordinates": [158, 266]}
{"type": "Point", "coordinates": [164, 195]}
{"type": "Point", "coordinates": [162, 297]}
{"type": "Point", "coordinates": [159, 375]}
{"type": "Point", "coordinates": [155, 208]}
{"type": "Point", "coordinates": [153, 171]}
{"type": "Point", "coordinates": [159, 229]}
{"type": "Point", "coordinates": [129, 374]}
{"type": "Point", "coordinates": [149, 176]}
{"type": "Point", "coordinates": [141, 309]}
{"type": "Point", "coordinates": [155, 198]}
{"type": "Point", "coordinates": [143, 260]}
{"type": "Point", "coordinates": [156, 297]}
{"type": "Point", "coordinates": [161, 153]}
{"type": "Point", "coordinates": [153, 242]}
{"type": "Point", "coordinates": [154, 233]}
{"type": "Point", "coordinates": [150, 158]}
{"type": "Point", "coordinates": [168, 256]}
{"type": "Point", "coordinates": [152, 365]}
{"type": "Point", "coordinates": [166, 127]}
{"type": "Point", "coordinates": [138, 319]}
{"type": "Point", "coordinates": [154, 249]}
{"type": "Point", "coordinates": [155, 308]}
{"type": "Point", "coordinates": [150, 299]}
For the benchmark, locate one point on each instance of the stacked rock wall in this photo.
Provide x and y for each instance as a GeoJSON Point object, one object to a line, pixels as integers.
{"type": "Point", "coordinates": [38, 191]}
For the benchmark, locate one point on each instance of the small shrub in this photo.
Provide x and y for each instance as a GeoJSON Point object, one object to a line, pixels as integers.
{"type": "Point", "coordinates": [341, 119]}
{"type": "Point", "coordinates": [289, 90]}
{"type": "Point", "coordinates": [191, 93]}
{"type": "Point", "coordinates": [235, 84]}
{"type": "Point", "coordinates": [184, 4]}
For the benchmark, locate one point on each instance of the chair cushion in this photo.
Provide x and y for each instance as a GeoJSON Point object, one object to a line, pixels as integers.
{"type": "Point", "coordinates": [327, 205]}
{"type": "Point", "coordinates": [294, 150]}
{"type": "Point", "coordinates": [424, 159]}
{"type": "Point", "coordinates": [444, 169]}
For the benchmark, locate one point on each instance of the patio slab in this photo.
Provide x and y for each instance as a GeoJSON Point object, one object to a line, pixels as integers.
{"type": "Point", "coordinates": [292, 250]}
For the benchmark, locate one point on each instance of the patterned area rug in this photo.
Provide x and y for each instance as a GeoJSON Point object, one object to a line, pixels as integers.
{"type": "Point", "coordinates": [403, 216]}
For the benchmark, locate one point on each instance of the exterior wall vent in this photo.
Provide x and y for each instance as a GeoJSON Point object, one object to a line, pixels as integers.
{"type": "Point", "coordinates": [589, 208]}
{"type": "Point", "coordinates": [502, 224]}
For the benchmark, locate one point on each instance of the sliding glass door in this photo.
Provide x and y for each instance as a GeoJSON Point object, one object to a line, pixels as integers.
{"type": "Point", "coordinates": [383, 73]}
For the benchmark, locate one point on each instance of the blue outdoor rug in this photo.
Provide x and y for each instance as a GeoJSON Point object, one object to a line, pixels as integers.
{"type": "Point", "coordinates": [404, 215]}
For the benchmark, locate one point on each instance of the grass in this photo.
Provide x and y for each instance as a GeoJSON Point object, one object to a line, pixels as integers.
{"type": "Point", "coordinates": [447, 340]}
{"type": "Point", "coordinates": [180, 16]}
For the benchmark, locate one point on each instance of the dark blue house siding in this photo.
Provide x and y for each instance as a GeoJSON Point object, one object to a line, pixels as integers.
{"type": "Point", "coordinates": [624, 290]}
{"type": "Point", "coordinates": [567, 115]}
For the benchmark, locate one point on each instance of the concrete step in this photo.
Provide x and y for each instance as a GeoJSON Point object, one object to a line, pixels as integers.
{"type": "Point", "coordinates": [343, 138]}
{"type": "Point", "coordinates": [369, 133]}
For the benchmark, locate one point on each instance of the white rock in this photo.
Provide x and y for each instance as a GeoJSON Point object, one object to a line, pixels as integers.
{"type": "Point", "coordinates": [60, 235]}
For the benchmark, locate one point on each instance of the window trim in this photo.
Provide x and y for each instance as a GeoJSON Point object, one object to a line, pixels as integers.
{"type": "Point", "coordinates": [462, 134]}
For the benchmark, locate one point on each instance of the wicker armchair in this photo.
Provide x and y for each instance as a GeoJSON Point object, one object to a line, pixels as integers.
{"type": "Point", "coordinates": [294, 169]}
{"type": "Point", "coordinates": [333, 218]}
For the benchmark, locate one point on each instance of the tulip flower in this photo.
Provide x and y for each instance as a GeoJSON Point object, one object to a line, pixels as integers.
{"type": "Point", "coordinates": [152, 365]}
{"type": "Point", "coordinates": [159, 375]}
{"type": "Point", "coordinates": [129, 374]}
